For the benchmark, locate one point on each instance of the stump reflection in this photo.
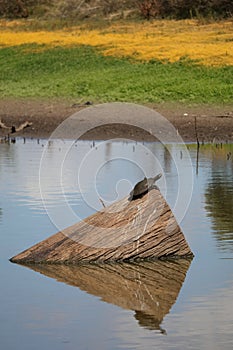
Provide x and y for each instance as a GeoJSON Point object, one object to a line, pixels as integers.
{"type": "Point", "coordinates": [148, 288]}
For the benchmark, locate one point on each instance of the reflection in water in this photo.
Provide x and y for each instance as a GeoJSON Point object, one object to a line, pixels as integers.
{"type": "Point", "coordinates": [0, 214]}
{"type": "Point", "coordinates": [61, 317]}
{"type": "Point", "coordinates": [148, 288]}
{"type": "Point", "coordinates": [167, 160]}
{"type": "Point", "coordinates": [219, 197]}
{"type": "Point", "coordinates": [8, 156]}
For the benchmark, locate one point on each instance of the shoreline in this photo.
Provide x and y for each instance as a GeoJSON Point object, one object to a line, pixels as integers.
{"type": "Point", "coordinates": [214, 123]}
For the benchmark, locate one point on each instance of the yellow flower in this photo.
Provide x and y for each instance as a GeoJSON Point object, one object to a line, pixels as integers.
{"type": "Point", "coordinates": [208, 44]}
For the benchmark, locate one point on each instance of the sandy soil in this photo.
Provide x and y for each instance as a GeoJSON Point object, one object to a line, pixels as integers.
{"type": "Point", "coordinates": [214, 123]}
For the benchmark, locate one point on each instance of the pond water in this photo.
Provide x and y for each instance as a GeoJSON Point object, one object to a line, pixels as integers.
{"type": "Point", "coordinates": [160, 305]}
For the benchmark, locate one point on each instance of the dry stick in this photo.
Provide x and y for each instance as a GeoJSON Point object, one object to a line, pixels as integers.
{"type": "Point", "coordinates": [102, 202]}
{"type": "Point", "coordinates": [198, 144]}
{"type": "Point", "coordinates": [3, 126]}
{"type": "Point", "coordinates": [23, 126]}
{"type": "Point", "coordinates": [195, 125]}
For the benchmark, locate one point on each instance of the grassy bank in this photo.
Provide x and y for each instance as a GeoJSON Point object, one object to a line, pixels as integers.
{"type": "Point", "coordinates": [142, 62]}
{"type": "Point", "coordinates": [83, 73]}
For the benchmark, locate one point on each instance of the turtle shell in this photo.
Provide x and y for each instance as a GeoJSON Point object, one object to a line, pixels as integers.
{"type": "Point", "coordinates": [140, 188]}
{"type": "Point", "coordinates": [144, 186]}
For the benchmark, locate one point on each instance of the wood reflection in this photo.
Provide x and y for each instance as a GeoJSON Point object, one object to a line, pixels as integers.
{"type": "Point", "coordinates": [148, 288]}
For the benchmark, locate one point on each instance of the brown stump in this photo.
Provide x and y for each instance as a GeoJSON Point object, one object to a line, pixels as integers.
{"type": "Point", "coordinates": [140, 229]}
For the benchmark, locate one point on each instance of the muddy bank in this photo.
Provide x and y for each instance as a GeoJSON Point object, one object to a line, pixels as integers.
{"type": "Point", "coordinates": [214, 123]}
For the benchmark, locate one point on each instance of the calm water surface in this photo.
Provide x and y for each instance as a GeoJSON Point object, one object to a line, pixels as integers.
{"type": "Point", "coordinates": [142, 306]}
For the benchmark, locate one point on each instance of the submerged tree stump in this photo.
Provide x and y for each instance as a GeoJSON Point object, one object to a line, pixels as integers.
{"type": "Point", "coordinates": [128, 230]}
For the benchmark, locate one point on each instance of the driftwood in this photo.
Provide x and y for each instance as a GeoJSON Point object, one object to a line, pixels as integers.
{"type": "Point", "coordinates": [140, 229]}
{"type": "Point", "coordinates": [13, 128]}
{"type": "Point", "coordinates": [148, 288]}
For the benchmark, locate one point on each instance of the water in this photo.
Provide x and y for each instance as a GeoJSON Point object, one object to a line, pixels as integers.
{"type": "Point", "coordinates": [143, 306]}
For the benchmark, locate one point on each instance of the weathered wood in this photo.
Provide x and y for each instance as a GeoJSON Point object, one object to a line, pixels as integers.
{"type": "Point", "coordinates": [148, 288]}
{"type": "Point", "coordinates": [144, 228]}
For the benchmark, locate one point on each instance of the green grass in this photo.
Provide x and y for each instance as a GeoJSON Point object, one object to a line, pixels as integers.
{"type": "Point", "coordinates": [83, 73]}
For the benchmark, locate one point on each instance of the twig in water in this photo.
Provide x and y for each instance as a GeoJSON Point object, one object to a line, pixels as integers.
{"type": "Point", "coordinates": [195, 126]}
{"type": "Point", "coordinates": [198, 144]}
{"type": "Point", "coordinates": [102, 202]}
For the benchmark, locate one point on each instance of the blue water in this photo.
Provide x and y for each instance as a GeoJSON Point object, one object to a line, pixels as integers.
{"type": "Point", "coordinates": [39, 312]}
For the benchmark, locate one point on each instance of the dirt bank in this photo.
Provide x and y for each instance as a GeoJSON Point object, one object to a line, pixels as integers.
{"type": "Point", "coordinates": [214, 123]}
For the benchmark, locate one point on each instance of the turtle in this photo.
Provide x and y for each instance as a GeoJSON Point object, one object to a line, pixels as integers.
{"type": "Point", "coordinates": [144, 186]}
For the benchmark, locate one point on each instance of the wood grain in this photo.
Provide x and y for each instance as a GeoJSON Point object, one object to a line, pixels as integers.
{"type": "Point", "coordinates": [140, 229]}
